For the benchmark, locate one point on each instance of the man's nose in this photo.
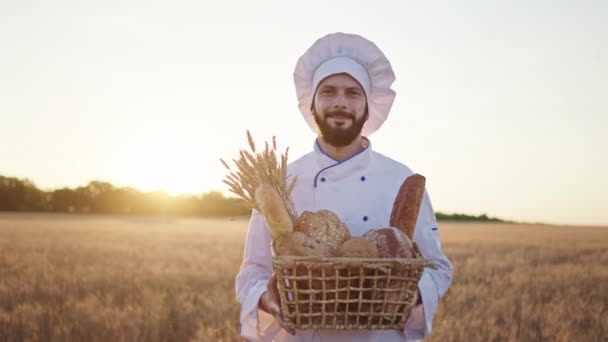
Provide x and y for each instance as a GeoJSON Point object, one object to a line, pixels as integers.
{"type": "Point", "coordinates": [339, 101]}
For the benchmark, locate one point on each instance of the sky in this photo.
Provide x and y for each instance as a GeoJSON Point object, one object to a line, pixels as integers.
{"type": "Point", "coordinates": [501, 105]}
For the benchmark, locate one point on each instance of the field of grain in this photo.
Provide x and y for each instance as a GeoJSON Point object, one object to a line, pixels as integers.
{"type": "Point", "coordinates": [122, 278]}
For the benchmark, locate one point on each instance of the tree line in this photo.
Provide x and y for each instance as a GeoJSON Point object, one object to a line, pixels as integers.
{"type": "Point", "coordinates": [104, 198]}
{"type": "Point", "coordinates": [467, 218]}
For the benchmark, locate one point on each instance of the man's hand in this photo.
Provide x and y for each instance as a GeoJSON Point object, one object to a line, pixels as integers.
{"type": "Point", "coordinates": [418, 298]}
{"type": "Point", "coordinates": [270, 302]}
{"type": "Point", "coordinates": [417, 301]}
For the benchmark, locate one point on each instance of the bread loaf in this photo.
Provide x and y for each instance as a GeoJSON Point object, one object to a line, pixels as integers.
{"type": "Point", "coordinates": [391, 243]}
{"type": "Point", "coordinates": [358, 247]}
{"type": "Point", "coordinates": [325, 226]}
{"type": "Point", "coordinates": [273, 208]}
{"type": "Point", "coordinates": [355, 247]}
{"type": "Point", "coordinates": [407, 204]}
{"type": "Point", "coordinates": [301, 244]}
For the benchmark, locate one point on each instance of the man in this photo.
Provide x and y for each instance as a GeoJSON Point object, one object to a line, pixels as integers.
{"type": "Point", "coordinates": [343, 83]}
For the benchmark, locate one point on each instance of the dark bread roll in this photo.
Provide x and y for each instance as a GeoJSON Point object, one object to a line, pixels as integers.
{"type": "Point", "coordinates": [390, 242]}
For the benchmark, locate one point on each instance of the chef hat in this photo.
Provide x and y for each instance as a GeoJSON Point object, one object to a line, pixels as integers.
{"type": "Point", "coordinates": [338, 53]}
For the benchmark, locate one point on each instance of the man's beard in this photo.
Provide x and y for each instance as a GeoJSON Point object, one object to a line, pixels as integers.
{"type": "Point", "coordinates": [338, 136]}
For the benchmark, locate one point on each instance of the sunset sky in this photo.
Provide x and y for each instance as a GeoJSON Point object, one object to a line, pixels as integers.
{"type": "Point", "coordinates": [501, 105]}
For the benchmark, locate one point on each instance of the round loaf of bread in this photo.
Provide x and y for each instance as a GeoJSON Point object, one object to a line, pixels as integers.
{"type": "Point", "coordinates": [358, 247]}
{"type": "Point", "coordinates": [355, 247]}
{"type": "Point", "coordinates": [325, 226]}
{"type": "Point", "coordinates": [391, 242]}
{"type": "Point", "coordinates": [301, 244]}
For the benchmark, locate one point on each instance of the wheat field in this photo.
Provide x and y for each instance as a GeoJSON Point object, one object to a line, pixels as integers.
{"type": "Point", "coordinates": [124, 278]}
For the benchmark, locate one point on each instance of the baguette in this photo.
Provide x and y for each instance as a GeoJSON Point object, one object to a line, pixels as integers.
{"type": "Point", "coordinates": [407, 204]}
{"type": "Point", "coordinates": [274, 210]}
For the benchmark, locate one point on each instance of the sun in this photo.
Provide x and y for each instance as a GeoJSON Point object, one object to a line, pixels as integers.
{"type": "Point", "coordinates": [163, 180]}
{"type": "Point", "coordinates": [162, 165]}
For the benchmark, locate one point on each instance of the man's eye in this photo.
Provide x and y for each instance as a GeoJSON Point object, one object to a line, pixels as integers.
{"type": "Point", "coordinates": [326, 91]}
{"type": "Point", "coordinates": [354, 93]}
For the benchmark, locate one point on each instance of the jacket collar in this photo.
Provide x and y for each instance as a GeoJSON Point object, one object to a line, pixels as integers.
{"type": "Point", "coordinates": [334, 169]}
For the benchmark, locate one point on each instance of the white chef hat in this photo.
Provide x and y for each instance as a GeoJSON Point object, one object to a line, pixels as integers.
{"type": "Point", "coordinates": [338, 53]}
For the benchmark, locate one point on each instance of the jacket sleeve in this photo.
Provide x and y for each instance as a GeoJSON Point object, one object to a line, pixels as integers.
{"type": "Point", "coordinates": [434, 283]}
{"type": "Point", "coordinates": [252, 280]}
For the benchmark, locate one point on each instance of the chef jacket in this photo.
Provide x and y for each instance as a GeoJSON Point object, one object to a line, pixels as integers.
{"type": "Point", "coordinates": [360, 191]}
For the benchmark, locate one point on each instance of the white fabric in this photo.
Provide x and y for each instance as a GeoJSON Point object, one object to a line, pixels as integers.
{"type": "Point", "coordinates": [352, 47]}
{"type": "Point", "coordinates": [341, 65]}
{"type": "Point", "coordinates": [324, 183]}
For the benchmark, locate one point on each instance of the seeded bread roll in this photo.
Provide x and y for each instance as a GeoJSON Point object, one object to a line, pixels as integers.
{"type": "Point", "coordinates": [325, 226]}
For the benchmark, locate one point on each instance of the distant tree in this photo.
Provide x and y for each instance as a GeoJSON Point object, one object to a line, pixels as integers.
{"type": "Point", "coordinates": [463, 217]}
{"type": "Point", "coordinates": [20, 195]}
{"type": "Point", "coordinates": [64, 200]}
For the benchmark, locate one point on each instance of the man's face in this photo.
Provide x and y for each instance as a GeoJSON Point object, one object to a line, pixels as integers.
{"type": "Point", "coordinates": [340, 109]}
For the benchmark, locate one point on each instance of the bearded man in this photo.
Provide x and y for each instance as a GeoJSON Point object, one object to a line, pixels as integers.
{"type": "Point", "coordinates": [343, 85]}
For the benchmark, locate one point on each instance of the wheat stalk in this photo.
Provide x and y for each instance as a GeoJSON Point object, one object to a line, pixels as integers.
{"type": "Point", "coordinates": [261, 167]}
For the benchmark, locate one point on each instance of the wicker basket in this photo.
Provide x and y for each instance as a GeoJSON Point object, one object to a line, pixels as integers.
{"type": "Point", "coordinates": [347, 293]}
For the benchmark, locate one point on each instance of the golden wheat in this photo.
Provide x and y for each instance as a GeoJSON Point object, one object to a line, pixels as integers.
{"type": "Point", "coordinates": [264, 167]}
{"type": "Point", "coordinates": [121, 278]}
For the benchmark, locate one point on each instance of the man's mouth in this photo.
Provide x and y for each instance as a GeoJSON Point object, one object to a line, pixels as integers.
{"type": "Point", "coordinates": [340, 116]}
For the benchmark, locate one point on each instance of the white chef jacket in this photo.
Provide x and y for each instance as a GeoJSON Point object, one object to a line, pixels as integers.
{"type": "Point", "coordinates": [361, 191]}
